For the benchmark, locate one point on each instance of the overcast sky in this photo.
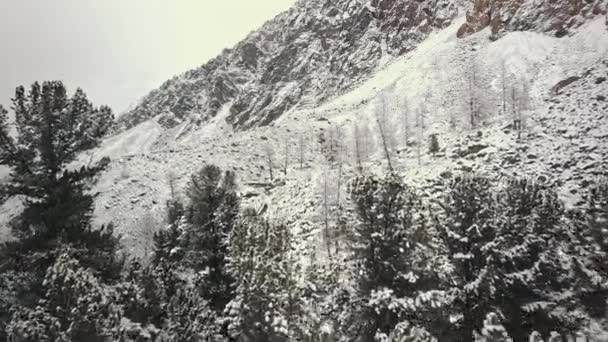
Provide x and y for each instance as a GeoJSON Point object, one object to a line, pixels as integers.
{"type": "Point", "coordinates": [118, 50]}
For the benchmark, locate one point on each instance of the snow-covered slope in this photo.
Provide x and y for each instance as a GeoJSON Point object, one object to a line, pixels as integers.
{"type": "Point", "coordinates": [557, 17]}
{"type": "Point", "coordinates": [564, 140]}
{"type": "Point", "coordinates": [317, 49]}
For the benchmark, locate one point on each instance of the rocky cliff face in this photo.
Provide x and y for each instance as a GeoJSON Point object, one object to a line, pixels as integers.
{"type": "Point", "coordinates": [314, 51]}
{"type": "Point", "coordinates": [552, 16]}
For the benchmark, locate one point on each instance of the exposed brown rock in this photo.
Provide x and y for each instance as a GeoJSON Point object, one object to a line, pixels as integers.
{"type": "Point", "coordinates": [564, 83]}
{"type": "Point", "coordinates": [556, 16]}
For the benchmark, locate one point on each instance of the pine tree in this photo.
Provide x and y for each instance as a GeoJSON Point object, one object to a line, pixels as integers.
{"type": "Point", "coordinates": [591, 251]}
{"type": "Point", "coordinates": [511, 252]}
{"type": "Point", "coordinates": [466, 228]}
{"type": "Point", "coordinates": [527, 257]}
{"type": "Point", "coordinates": [393, 255]}
{"type": "Point", "coordinates": [493, 330]}
{"type": "Point", "coordinates": [57, 201]}
{"type": "Point", "coordinates": [76, 306]}
{"type": "Point", "coordinates": [167, 241]}
{"type": "Point", "coordinates": [189, 318]}
{"type": "Point", "coordinates": [48, 139]}
{"type": "Point", "coordinates": [267, 298]}
{"type": "Point", "coordinates": [211, 212]}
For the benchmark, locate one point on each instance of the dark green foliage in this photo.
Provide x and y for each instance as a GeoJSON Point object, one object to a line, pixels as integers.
{"type": "Point", "coordinates": [166, 241]}
{"type": "Point", "coordinates": [592, 237]}
{"type": "Point", "coordinates": [465, 227]}
{"type": "Point", "coordinates": [75, 307]}
{"type": "Point", "coordinates": [213, 206]}
{"type": "Point", "coordinates": [189, 318]}
{"type": "Point", "coordinates": [156, 296]}
{"type": "Point", "coordinates": [510, 249]}
{"type": "Point", "coordinates": [50, 130]}
{"type": "Point", "coordinates": [267, 298]}
{"type": "Point", "coordinates": [526, 256]}
{"type": "Point", "coordinates": [434, 145]}
{"type": "Point", "coordinates": [394, 256]}
{"type": "Point", "coordinates": [146, 292]}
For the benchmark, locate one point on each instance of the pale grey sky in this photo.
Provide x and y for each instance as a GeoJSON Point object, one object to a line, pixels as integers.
{"type": "Point", "coordinates": [118, 50]}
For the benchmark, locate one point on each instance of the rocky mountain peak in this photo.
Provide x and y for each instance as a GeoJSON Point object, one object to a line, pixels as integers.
{"type": "Point", "coordinates": [557, 16]}
{"type": "Point", "coordinates": [310, 53]}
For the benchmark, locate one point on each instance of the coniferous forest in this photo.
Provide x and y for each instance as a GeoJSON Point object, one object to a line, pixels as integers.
{"type": "Point", "coordinates": [485, 260]}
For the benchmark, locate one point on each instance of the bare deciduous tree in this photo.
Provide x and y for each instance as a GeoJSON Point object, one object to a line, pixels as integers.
{"type": "Point", "coordinates": [326, 212]}
{"type": "Point", "coordinates": [357, 147]}
{"type": "Point", "coordinates": [269, 154]}
{"type": "Point", "coordinates": [419, 133]}
{"type": "Point", "coordinates": [340, 160]}
{"type": "Point", "coordinates": [172, 180]}
{"type": "Point", "coordinates": [520, 102]}
{"type": "Point", "coordinates": [301, 146]}
{"type": "Point", "coordinates": [405, 112]}
{"type": "Point", "coordinates": [383, 130]}
{"type": "Point", "coordinates": [472, 98]}
{"type": "Point", "coordinates": [286, 157]}
{"type": "Point", "coordinates": [503, 81]}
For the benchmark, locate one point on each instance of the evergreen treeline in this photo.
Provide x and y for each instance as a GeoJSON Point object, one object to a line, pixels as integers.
{"type": "Point", "coordinates": [486, 261]}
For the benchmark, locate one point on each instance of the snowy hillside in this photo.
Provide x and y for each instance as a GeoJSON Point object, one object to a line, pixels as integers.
{"type": "Point", "coordinates": [562, 138]}
{"type": "Point", "coordinates": [308, 54]}
{"type": "Point", "coordinates": [354, 170]}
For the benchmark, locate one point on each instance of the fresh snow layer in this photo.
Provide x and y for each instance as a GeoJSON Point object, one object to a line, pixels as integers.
{"type": "Point", "coordinates": [432, 79]}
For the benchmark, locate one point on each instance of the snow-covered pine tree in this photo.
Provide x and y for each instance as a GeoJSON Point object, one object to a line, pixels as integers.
{"type": "Point", "coordinates": [591, 251]}
{"type": "Point", "coordinates": [466, 230]}
{"type": "Point", "coordinates": [166, 241]}
{"type": "Point", "coordinates": [267, 297]}
{"type": "Point", "coordinates": [57, 200]}
{"type": "Point", "coordinates": [145, 292]}
{"type": "Point", "coordinates": [527, 257]}
{"type": "Point", "coordinates": [48, 138]}
{"type": "Point", "coordinates": [76, 307]}
{"type": "Point", "coordinates": [394, 257]}
{"type": "Point", "coordinates": [493, 330]}
{"type": "Point", "coordinates": [597, 210]}
{"type": "Point", "coordinates": [212, 208]}
{"type": "Point", "coordinates": [189, 317]}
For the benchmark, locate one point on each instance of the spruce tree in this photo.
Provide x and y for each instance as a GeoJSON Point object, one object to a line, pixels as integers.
{"type": "Point", "coordinates": [167, 241]}
{"type": "Point", "coordinates": [76, 306]}
{"type": "Point", "coordinates": [512, 252]}
{"type": "Point", "coordinates": [49, 136]}
{"type": "Point", "coordinates": [527, 257]}
{"type": "Point", "coordinates": [466, 228]}
{"type": "Point", "coordinates": [267, 298]}
{"type": "Point", "coordinates": [211, 212]}
{"type": "Point", "coordinates": [56, 196]}
{"type": "Point", "coordinates": [393, 252]}
{"type": "Point", "coordinates": [591, 235]}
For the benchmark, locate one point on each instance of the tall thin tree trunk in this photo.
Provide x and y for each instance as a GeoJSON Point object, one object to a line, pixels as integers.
{"type": "Point", "coordinates": [326, 214]}
{"type": "Point", "coordinates": [357, 138]}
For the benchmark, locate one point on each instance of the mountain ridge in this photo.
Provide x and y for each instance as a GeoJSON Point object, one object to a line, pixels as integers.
{"type": "Point", "coordinates": [308, 53]}
{"type": "Point", "coordinates": [319, 49]}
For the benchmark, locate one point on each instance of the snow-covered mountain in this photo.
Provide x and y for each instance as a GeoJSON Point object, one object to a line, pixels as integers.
{"type": "Point", "coordinates": [314, 51]}
{"type": "Point", "coordinates": [319, 49]}
{"type": "Point", "coordinates": [321, 67]}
